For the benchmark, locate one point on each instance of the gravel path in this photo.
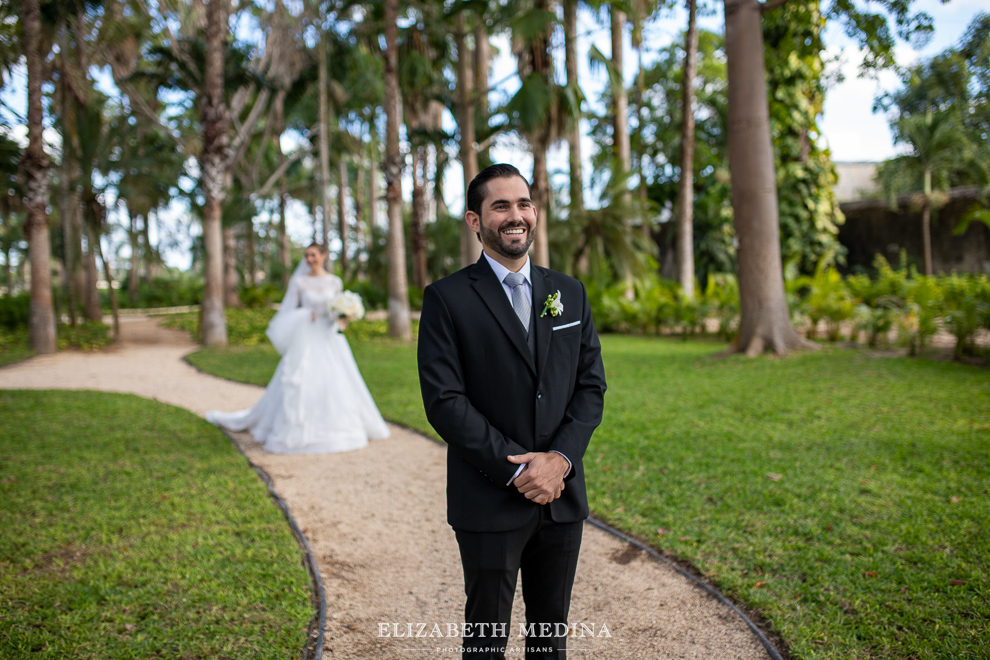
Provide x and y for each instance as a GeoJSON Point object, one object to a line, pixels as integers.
{"type": "Point", "coordinates": [375, 521]}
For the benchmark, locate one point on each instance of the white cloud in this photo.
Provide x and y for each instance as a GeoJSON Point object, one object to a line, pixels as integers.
{"type": "Point", "coordinates": [849, 125]}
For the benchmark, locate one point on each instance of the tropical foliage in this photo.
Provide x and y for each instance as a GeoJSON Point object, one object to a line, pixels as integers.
{"type": "Point", "coordinates": [895, 306]}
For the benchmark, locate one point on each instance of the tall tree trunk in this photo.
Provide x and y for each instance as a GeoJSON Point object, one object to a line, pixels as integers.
{"type": "Point", "coordinates": [111, 292]}
{"type": "Point", "coordinates": [357, 195]}
{"type": "Point", "coordinates": [540, 252]}
{"type": "Point", "coordinates": [7, 274]}
{"type": "Point", "coordinates": [250, 255]}
{"type": "Point", "coordinates": [230, 277]}
{"type": "Point", "coordinates": [398, 289]}
{"type": "Point", "coordinates": [92, 306]}
{"type": "Point", "coordinates": [34, 169]}
{"type": "Point", "coordinates": [537, 59]}
{"type": "Point", "coordinates": [374, 194]}
{"type": "Point", "coordinates": [71, 252]}
{"type": "Point", "coordinates": [640, 9]}
{"type": "Point", "coordinates": [132, 276]}
{"type": "Point", "coordinates": [213, 322]}
{"type": "Point", "coordinates": [283, 193]}
{"type": "Point", "coordinates": [440, 160]}
{"type": "Point", "coordinates": [574, 133]}
{"type": "Point", "coordinates": [765, 322]}
{"type": "Point", "coordinates": [324, 142]}
{"type": "Point", "coordinates": [71, 239]}
{"type": "Point", "coordinates": [620, 119]}
{"type": "Point", "coordinates": [479, 83]}
{"type": "Point", "coordinates": [418, 228]}
{"type": "Point", "coordinates": [620, 100]}
{"type": "Point", "coordinates": [78, 278]}
{"type": "Point", "coordinates": [342, 214]}
{"type": "Point", "coordinates": [470, 247]}
{"type": "Point", "coordinates": [284, 246]}
{"type": "Point", "coordinates": [926, 223]}
{"type": "Point", "coordinates": [150, 255]}
{"type": "Point", "coordinates": [685, 186]}
{"type": "Point", "coordinates": [314, 201]}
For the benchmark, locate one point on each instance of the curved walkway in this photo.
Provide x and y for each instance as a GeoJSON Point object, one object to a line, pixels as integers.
{"type": "Point", "coordinates": [375, 519]}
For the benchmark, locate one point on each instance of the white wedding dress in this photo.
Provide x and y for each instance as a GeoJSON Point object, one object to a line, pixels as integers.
{"type": "Point", "coordinates": [317, 401]}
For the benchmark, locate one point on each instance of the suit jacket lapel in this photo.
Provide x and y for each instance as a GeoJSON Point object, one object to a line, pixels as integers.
{"type": "Point", "coordinates": [542, 287]}
{"type": "Point", "coordinates": [492, 293]}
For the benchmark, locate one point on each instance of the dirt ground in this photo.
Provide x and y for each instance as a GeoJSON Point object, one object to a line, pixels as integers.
{"type": "Point", "coordinates": [375, 519]}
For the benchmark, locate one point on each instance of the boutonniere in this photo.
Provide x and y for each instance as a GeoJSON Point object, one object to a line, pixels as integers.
{"type": "Point", "coordinates": [553, 305]}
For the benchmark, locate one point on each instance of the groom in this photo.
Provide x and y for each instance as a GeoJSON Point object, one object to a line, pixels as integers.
{"type": "Point", "coordinates": [512, 379]}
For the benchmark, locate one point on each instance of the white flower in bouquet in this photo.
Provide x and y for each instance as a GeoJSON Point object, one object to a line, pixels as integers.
{"type": "Point", "coordinates": [348, 305]}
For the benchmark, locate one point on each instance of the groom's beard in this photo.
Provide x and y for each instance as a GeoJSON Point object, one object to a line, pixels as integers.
{"type": "Point", "coordinates": [497, 242]}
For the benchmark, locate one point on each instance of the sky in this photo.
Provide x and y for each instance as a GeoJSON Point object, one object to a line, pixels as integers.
{"type": "Point", "coordinates": [849, 127]}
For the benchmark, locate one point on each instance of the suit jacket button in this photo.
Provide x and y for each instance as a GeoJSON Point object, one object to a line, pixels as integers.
{"type": "Point", "coordinates": [538, 395]}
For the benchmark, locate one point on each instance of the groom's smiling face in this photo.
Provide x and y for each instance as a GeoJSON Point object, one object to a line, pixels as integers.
{"type": "Point", "coordinates": [507, 224]}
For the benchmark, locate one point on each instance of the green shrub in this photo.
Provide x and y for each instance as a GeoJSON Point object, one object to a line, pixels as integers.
{"type": "Point", "coordinates": [827, 298]}
{"type": "Point", "coordinates": [256, 297]}
{"type": "Point", "coordinates": [967, 304]}
{"type": "Point", "coordinates": [86, 336]}
{"type": "Point", "coordinates": [15, 311]}
{"type": "Point", "coordinates": [246, 327]}
{"type": "Point", "coordinates": [372, 296]}
{"type": "Point", "coordinates": [722, 298]}
{"type": "Point", "coordinates": [364, 330]}
{"type": "Point", "coordinates": [175, 289]}
{"type": "Point", "coordinates": [415, 298]}
{"type": "Point", "coordinates": [924, 299]}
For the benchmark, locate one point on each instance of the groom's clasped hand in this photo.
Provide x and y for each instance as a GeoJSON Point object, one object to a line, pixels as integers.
{"type": "Point", "coordinates": [542, 480]}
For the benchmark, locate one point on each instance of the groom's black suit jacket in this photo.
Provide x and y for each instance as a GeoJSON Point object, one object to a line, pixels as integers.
{"type": "Point", "coordinates": [488, 399]}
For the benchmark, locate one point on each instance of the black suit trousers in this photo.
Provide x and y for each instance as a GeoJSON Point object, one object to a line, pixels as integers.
{"type": "Point", "coordinates": [547, 553]}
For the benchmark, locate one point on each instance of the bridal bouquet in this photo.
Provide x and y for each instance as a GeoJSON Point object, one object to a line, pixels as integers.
{"type": "Point", "coordinates": [348, 305]}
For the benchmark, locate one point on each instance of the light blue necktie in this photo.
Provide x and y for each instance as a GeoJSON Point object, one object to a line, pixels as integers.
{"type": "Point", "coordinates": [519, 304]}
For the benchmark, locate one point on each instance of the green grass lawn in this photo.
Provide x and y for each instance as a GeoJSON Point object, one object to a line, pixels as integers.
{"type": "Point", "coordinates": [844, 496]}
{"type": "Point", "coordinates": [132, 529]}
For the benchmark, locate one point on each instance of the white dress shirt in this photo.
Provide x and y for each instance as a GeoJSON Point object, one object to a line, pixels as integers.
{"type": "Point", "coordinates": [500, 272]}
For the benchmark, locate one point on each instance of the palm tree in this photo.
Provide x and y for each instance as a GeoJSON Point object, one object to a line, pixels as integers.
{"type": "Point", "coordinates": [398, 289]}
{"type": "Point", "coordinates": [685, 186]}
{"type": "Point", "coordinates": [324, 136]}
{"type": "Point", "coordinates": [34, 168]}
{"type": "Point", "coordinates": [574, 97]}
{"type": "Point", "coordinates": [213, 154]}
{"type": "Point", "coordinates": [343, 229]}
{"type": "Point", "coordinates": [535, 108]}
{"type": "Point", "coordinates": [466, 100]}
{"type": "Point", "coordinates": [601, 237]}
{"type": "Point", "coordinates": [11, 204]}
{"type": "Point", "coordinates": [938, 146]}
{"type": "Point", "coordinates": [620, 99]}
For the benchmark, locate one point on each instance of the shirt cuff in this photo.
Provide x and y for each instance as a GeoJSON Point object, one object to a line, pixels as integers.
{"type": "Point", "coordinates": [569, 464]}
{"type": "Point", "coordinates": [519, 471]}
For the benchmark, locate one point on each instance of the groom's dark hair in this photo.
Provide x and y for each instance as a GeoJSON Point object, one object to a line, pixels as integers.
{"type": "Point", "coordinates": [478, 187]}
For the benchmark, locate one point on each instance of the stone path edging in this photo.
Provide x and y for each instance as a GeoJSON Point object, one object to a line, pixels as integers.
{"type": "Point", "coordinates": [313, 650]}
{"type": "Point", "coordinates": [767, 644]}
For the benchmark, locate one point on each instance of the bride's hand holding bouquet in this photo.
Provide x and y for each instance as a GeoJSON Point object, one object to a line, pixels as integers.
{"type": "Point", "coordinates": [347, 307]}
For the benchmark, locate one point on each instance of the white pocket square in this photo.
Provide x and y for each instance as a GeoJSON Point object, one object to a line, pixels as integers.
{"type": "Point", "coordinates": [566, 325]}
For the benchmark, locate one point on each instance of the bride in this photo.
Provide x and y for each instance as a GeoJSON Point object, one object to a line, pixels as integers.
{"type": "Point", "coordinates": [317, 401]}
